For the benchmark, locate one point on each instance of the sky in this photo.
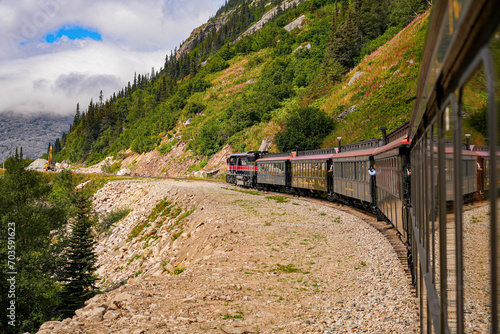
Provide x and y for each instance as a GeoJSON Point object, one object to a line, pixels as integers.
{"type": "Point", "coordinates": [57, 53]}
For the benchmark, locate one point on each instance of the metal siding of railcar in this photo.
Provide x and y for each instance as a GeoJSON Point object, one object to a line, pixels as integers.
{"type": "Point", "coordinates": [310, 182]}
{"type": "Point", "coordinates": [348, 187]}
{"type": "Point", "coordinates": [273, 179]}
{"type": "Point", "coordinates": [390, 204]}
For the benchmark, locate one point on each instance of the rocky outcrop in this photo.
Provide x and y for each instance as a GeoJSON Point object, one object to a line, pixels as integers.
{"type": "Point", "coordinates": [297, 23]}
{"type": "Point", "coordinates": [199, 34]}
{"type": "Point", "coordinates": [268, 17]}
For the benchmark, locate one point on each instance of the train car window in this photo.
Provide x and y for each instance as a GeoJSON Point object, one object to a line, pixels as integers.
{"type": "Point", "coordinates": [474, 102]}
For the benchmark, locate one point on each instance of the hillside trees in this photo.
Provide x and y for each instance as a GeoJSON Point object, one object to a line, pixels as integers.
{"type": "Point", "coordinates": [34, 208]}
{"type": "Point", "coordinates": [26, 208]}
{"type": "Point", "coordinates": [303, 62]}
{"type": "Point", "coordinates": [305, 129]}
{"type": "Point", "coordinates": [78, 274]}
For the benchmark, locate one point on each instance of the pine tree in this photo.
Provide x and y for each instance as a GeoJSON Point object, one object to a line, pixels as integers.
{"type": "Point", "coordinates": [57, 146]}
{"type": "Point", "coordinates": [79, 273]}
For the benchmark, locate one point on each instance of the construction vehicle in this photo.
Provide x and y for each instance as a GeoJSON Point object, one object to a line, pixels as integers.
{"type": "Point", "coordinates": [48, 166]}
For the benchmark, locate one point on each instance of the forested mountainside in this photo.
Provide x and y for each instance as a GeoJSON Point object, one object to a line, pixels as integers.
{"type": "Point", "coordinates": [296, 73]}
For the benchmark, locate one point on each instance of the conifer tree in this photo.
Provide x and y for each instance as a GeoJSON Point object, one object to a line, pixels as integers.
{"type": "Point", "coordinates": [79, 273]}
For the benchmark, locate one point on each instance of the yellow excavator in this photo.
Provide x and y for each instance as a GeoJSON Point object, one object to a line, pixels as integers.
{"type": "Point", "coordinates": [48, 166]}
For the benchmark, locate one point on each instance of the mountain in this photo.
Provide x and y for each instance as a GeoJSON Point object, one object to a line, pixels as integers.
{"type": "Point", "coordinates": [251, 72]}
{"type": "Point", "coordinates": [31, 132]}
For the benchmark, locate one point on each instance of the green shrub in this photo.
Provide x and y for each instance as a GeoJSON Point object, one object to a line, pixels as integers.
{"type": "Point", "coordinates": [304, 129]}
{"type": "Point", "coordinates": [112, 218]}
{"type": "Point", "coordinates": [143, 144]}
{"type": "Point", "coordinates": [216, 64]}
{"type": "Point", "coordinates": [167, 147]}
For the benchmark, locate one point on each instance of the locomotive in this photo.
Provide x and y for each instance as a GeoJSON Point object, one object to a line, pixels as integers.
{"type": "Point", "coordinates": [341, 174]}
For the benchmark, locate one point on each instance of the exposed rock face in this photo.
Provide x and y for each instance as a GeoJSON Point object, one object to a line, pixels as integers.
{"type": "Point", "coordinates": [355, 78]}
{"type": "Point", "coordinates": [241, 263]}
{"type": "Point", "coordinates": [307, 46]}
{"type": "Point", "coordinates": [174, 163]}
{"type": "Point", "coordinates": [347, 112]}
{"type": "Point", "coordinates": [200, 33]}
{"type": "Point", "coordinates": [268, 17]}
{"type": "Point", "coordinates": [297, 23]}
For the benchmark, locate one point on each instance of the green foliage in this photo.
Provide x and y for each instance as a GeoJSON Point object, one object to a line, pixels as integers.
{"type": "Point", "coordinates": [373, 45]}
{"type": "Point", "coordinates": [143, 144]}
{"type": "Point", "coordinates": [167, 147]}
{"type": "Point", "coordinates": [288, 269]}
{"type": "Point", "coordinates": [177, 270]}
{"type": "Point", "coordinates": [479, 121]}
{"type": "Point", "coordinates": [338, 35]}
{"type": "Point", "coordinates": [27, 216]}
{"type": "Point", "coordinates": [216, 64]}
{"type": "Point", "coordinates": [279, 199]}
{"type": "Point", "coordinates": [194, 108]}
{"type": "Point", "coordinates": [304, 129]}
{"type": "Point", "coordinates": [78, 274]}
{"type": "Point", "coordinates": [111, 168]}
{"type": "Point", "coordinates": [111, 218]}
{"type": "Point", "coordinates": [200, 165]}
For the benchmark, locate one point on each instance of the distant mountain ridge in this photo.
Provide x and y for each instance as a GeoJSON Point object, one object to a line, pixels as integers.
{"type": "Point", "coordinates": [31, 132]}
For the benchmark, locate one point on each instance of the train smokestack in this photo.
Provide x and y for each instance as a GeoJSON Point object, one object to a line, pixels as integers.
{"type": "Point", "coordinates": [339, 138]}
{"type": "Point", "coordinates": [384, 135]}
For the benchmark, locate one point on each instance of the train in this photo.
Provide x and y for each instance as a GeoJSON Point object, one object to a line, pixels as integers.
{"type": "Point", "coordinates": [454, 262]}
{"type": "Point", "coordinates": [342, 174]}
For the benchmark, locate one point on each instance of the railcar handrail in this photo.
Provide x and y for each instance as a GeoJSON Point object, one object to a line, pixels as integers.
{"type": "Point", "coordinates": [316, 152]}
{"type": "Point", "coordinates": [276, 155]}
{"type": "Point", "coordinates": [372, 143]}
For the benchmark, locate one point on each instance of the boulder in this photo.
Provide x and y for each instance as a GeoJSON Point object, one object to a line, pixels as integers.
{"type": "Point", "coordinates": [355, 78]}
{"type": "Point", "coordinates": [38, 165]}
{"type": "Point", "coordinates": [123, 172]}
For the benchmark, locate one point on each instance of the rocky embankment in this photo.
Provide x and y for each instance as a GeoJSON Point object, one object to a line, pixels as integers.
{"type": "Point", "coordinates": [205, 257]}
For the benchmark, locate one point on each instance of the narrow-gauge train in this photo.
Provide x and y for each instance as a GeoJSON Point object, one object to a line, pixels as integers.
{"type": "Point", "coordinates": [341, 174]}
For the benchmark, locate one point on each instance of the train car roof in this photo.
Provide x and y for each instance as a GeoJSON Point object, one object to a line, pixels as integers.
{"type": "Point", "coordinates": [243, 154]}
{"type": "Point", "coordinates": [314, 157]}
{"type": "Point", "coordinates": [396, 143]}
{"type": "Point", "coordinates": [284, 158]}
{"type": "Point", "coordinates": [451, 150]}
{"type": "Point", "coordinates": [356, 153]}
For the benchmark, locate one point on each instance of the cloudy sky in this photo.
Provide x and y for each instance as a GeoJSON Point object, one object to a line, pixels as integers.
{"type": "Point", "coordinates": [56, 53]}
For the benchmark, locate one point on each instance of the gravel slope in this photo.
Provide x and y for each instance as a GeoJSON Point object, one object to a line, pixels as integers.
{"type": "Point", "coordinates": [253, 263]}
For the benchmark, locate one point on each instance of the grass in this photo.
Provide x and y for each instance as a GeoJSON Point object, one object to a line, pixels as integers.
{"type": "Point", "coordinates": [177, 270]}
{"type": "Point", "coordinates": [288, 269]}
{"type": "Point", "coordinates": [175, 236]}
{"type": "Point", "coordinates": [138, 229]}
{"type": "Point", "coordinates": [136, 256]}
{"type": "Point", "coordinates": [238, 315]}
{"type": "Point", "coordinates": [112, 218]}
{"type": "Point", "coordinates": [279, 199]}
{"type": "Point", "coordinates": [251, 192]}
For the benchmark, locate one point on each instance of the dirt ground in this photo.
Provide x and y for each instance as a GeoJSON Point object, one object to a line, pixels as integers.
{"type": "Point", "coordinates": [207, 257]}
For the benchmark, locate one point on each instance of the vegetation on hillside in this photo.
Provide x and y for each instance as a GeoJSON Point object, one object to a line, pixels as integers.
{"type": "Point", "coordinates": [38, 281]}
{"type": "Point", "coordinates": [236, 92]}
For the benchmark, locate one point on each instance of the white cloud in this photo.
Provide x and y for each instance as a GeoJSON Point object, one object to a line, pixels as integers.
{"type": "Point", "coordinates": [136, 35]}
